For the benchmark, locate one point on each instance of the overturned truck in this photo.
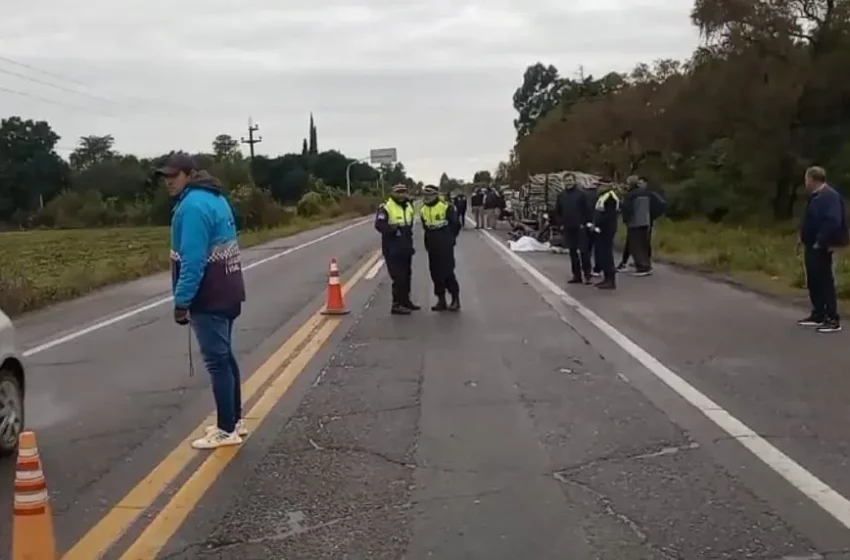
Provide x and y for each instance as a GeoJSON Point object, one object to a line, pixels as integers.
{"type": "Point", "coordinates": [536, 199]}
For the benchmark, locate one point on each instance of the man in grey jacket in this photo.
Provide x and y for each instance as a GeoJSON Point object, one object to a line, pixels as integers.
{"type": "Point", "coordinates": [637, 217]}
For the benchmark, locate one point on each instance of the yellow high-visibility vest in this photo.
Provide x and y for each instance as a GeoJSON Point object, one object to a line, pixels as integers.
{"type": "Point", "coordinates": [398, 215]}
{"type": "Point", "coordinates": [436, 216]}
{"type": "Point", "coordinates": [603, 198]}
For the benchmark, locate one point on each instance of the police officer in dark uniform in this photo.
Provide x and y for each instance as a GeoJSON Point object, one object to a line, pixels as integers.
{"type": "Point", "coordinates": [460, 206]}
{"type": "Point", "coordinates": [605, 220]}
{"type": "Point", "coordinates": [395, 222]}
{"type": "Point", "coordinates": [440, 220]}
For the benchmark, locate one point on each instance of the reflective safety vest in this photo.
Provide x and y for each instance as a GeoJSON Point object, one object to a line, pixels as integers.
{"type": "Point", "coordinates": [436, 216]}
{"type": "Point", "coordinates": [398, 215]}
{"type": "Point", "coordinates": [603, 198]}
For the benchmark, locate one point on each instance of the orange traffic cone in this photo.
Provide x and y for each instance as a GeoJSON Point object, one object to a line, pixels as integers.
{"type": "Point", "coordinates": [32, 537]}
{"type": "Point", "coordinates": [335, 304]}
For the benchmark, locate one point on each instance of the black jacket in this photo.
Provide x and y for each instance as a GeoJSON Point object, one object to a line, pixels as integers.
{"type": "Point", "coordinates": [606, 219]}
{"type": "Point", "coordinates": [396, 241]}
{"type": "Point", "coordinates": [460, 203]}
{"type": "Point", "coordinates": [442, 239]}
{"type": "Point", "coordinates": [573, 208]}
{"type": "Point", "coordinates": [491, 201]}
{"type": "Point", "coordinates": [477, 199]}
{"type": "Point", "coordinates": [823, 222]}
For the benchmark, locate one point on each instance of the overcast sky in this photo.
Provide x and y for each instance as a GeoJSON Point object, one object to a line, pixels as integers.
{"type": "Point", "coordinates": [432, 78]}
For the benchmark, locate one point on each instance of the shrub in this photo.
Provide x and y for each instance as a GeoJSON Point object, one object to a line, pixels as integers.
{"type": "Point", "coordinates": [311, 204]}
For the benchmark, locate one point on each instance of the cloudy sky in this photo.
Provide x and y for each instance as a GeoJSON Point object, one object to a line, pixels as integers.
{"type": "Point", "coordinates": [430, 77]}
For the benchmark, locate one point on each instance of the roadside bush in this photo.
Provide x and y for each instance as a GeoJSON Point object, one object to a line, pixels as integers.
{"type": "Point", "coordinates": [311, 204]}
{"type": "Point", "coordinates": [255, 208]}
{"type": "Point", "coordinates": [359, 204]}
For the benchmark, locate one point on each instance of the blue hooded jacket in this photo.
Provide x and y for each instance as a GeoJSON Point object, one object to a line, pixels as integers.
{"type": "Point", "coordinates": [206, 263]}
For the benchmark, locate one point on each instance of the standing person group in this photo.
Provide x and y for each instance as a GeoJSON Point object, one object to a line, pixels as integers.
{"type": "Point", "coordinates": [394, 220]}
{"type": "Point", "coordinates": [589, 220]}
{"type": "Point", "coordinates": [822, 230]}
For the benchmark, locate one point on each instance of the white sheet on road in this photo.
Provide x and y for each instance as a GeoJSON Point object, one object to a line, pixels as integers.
{"type": "Point", "coordinates": [527, 244]}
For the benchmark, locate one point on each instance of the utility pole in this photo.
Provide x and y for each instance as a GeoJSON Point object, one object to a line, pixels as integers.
{"type": "Point", "coordinates": [252, 128]}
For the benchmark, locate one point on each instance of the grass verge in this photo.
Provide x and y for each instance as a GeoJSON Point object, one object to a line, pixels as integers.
{"type": "Point", "coordinates": [767, 260]}
{"type": "Point", "coordinates": [41, 267]}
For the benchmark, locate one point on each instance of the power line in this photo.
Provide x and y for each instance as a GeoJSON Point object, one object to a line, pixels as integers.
{"type": "Point", "coordinates": [40, 71]}
{"type": "Point", "coordinates": [56, 86]}
{"type": "Point", "coordinates": [53, 101]}
{"type": "Point", "coordinates": [252, 128]}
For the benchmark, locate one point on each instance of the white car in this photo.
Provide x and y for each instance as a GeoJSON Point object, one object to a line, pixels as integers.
{"type": "Point", "coordinates": [11, 388]}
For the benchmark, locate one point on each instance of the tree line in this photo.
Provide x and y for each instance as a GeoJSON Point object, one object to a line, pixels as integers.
{"type": "Point", "coordinates": [728, 131]}
{"type": "Point", "coordinates": [99, 186]}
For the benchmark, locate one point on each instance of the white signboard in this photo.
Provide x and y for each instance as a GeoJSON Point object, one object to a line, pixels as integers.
{"type": "Point", "coordinates": [383, 156]}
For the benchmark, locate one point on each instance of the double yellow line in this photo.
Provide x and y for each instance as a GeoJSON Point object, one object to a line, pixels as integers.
{"type": "Point", "coordinates": [283, 367]}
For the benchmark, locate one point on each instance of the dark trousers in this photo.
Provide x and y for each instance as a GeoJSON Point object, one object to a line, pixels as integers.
{"type": "Point", "coordinates": [214, 333]}
{"type": "Point", "coordinates": [576, 240]}
{"type": "Point", "coordinates": [627, 253]}
{"type": "Point", "coordinates": [400, 270]}
{"type": "Point", "coordinates": [461, 214]}
{"type": "Point", "coordinates": [441, 264]}
{"type": "Point", "coordinates": [603, 246]}
{"type": "Point", "coordinates": [821, 283]}
{"type": "Point", "coordinates": [637, 242]}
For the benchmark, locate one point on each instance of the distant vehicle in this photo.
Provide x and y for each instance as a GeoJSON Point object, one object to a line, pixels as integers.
{"type": "Point", "coordinates": [11, 388]}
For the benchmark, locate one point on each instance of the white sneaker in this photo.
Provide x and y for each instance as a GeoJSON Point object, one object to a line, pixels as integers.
{"type": "Point", "coordinates": [241, 429]}
{"type": "Point", "coordinates": [217, 438]}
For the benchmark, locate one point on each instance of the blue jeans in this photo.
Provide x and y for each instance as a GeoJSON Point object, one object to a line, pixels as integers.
{"type": "Point", "coordinates": [215, 337]}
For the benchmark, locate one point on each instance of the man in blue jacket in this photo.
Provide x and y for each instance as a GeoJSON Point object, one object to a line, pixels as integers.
{"type": "Point", "coordinates": [208, 286]}
{"type": "Point", "coordinates": [823, 228]}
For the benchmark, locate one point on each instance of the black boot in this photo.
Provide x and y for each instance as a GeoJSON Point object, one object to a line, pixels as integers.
{"type": "Point", "coordinates": [455, 304]}
{"type": "Point", "coordinates": [440, 305]}
{"type": "Point", "coordinates": [575, 281]}
{"type": "Point", "coordinates": [607, 285]}
{"type": "Point", "coordinates": [412, 306]}
{"type": "Point", "coordinates": [398, 309]}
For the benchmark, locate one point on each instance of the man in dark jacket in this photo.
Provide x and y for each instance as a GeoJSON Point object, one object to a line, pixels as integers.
{"type": "Point", "coordinates": [637, 213]}
{"type": "Point", "coordinates": [477, 203]}
{"type": "Point", "coordinates": [823, 228]}
{"type": "Point", "coordinates": [394, 220]}
{"type": "Point", "coordinates": [208, 286]}
{"type": "Point", "coordinates": [460, 206]}
{"type": "Point", "coordinates": [491, 208]}
{"type": "Point", "coordinates": [574, 212]}
{"type": "Point", "coordinates": [442, 226]}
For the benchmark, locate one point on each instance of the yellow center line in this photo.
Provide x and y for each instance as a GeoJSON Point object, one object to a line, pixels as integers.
{"type": "Point", "coordinates": [164, 525]}
{"type": "Point", "coordinates": [119, 519]}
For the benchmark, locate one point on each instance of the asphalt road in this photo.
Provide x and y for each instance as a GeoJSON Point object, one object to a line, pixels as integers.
{"type": "Point", "coordinates": [677, 418]}
{"type": "Point", "coordinates": [108, 405]}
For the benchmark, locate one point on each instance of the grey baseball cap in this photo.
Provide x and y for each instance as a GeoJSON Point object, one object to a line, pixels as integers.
{"type": "Point", "coordinates": [176, 163]}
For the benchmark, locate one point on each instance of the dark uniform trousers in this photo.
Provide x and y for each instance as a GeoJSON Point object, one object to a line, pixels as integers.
{"type": "Point", "coordinates": [400, 269]}
{"type": "Point", "coordinates": [576, 240]}
{"type": "Point", "coordinates": [603, 253]}
{"type": "Point", "coordinates": [441, 264]}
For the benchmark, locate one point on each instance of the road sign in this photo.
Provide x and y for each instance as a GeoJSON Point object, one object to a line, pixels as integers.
{"type": "Point", "coordinates": [383, 156]}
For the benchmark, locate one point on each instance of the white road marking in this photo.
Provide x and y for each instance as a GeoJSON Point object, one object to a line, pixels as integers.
{"type": "Point", "coordinates": [374, 270]}
{"type": "Point", "coordinates": [162, 301]}
{"type": "Point", "coordinates": [818, 491]}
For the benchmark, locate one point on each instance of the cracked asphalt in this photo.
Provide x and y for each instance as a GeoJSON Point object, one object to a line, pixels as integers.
{"type": "Point", "coordinates": [515, 430]}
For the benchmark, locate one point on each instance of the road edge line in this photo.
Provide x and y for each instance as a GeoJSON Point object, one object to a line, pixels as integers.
{"type": "Point", "coordinates": [792, 472]}
{"type": "Point", "coordinates": [132, 312]}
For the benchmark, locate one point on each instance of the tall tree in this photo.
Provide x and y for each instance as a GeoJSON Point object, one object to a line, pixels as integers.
{"type": "Point", "coordinates": [225, 147]}
{"type": "Point", "coordinates": [483, 176]}
{"type": "Point", "coordinates": [314, 142]}
{"type": "Point", "coordinates": [91, 150]}
{"type": "Point", "coordinates": [539, 93]}
{"type": "Point", "coordinates": [30, 170]}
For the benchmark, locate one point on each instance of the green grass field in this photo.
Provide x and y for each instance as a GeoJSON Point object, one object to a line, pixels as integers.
{"type": "Point", "coordinates": [766, 259]}
{"type": "Point", "coordinates": [41, 267]}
